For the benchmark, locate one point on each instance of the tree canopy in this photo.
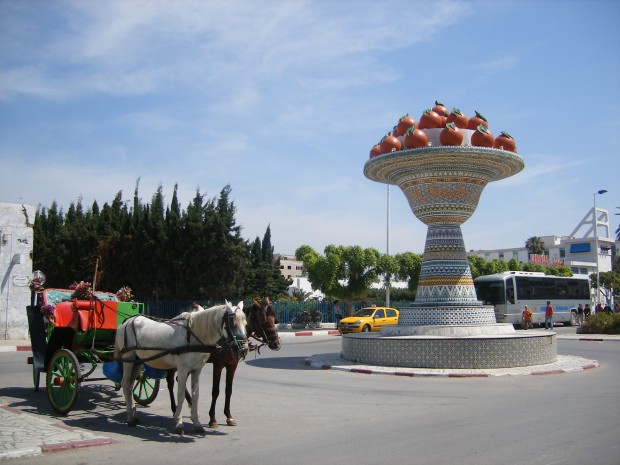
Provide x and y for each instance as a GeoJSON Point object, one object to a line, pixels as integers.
{"type": "Point", "coordinates": [161, 252]}
{"type": "Point", "coordinates": [535, 245]}
{"type": "Point", "coordinates": [343, 272]}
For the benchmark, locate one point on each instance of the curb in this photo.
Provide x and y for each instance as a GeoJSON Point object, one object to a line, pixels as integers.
{"type": "Point", "coordinates": [24, 346]}
{"type": "Point", "coordinates": [565, 364]}
{"type": "Point", "coordinates": [330, 332]}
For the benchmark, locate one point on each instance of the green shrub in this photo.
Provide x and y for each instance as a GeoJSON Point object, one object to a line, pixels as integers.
{"type": "Point", "coordinates": [601, 323]}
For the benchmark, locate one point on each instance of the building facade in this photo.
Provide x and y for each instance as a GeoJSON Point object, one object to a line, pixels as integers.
{"type": "Point", "coordinates": [290, 267]}
{"type": "Point", "coordinates": [16, 237]}
{"type": "Point", "coordinates": [587, 248]}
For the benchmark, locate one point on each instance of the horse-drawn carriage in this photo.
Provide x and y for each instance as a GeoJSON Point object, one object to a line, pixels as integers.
{"type": "Point", "coordinates": [71, 337]}
{"type": "Point", "coordinates": [71, 340]}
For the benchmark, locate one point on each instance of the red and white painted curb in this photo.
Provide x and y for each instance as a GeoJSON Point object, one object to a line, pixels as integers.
{"type": "Point", "coordinates": [565, 364]}
{"type": "Point", "coordinates": [329, 332]}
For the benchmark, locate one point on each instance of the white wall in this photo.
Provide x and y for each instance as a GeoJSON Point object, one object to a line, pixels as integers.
{"type": "Point", "coordinates": [16, 237]}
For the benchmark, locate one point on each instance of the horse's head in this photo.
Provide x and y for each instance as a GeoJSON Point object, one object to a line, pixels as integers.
{"type": "Point", "coordinates": [263, 324]}
{"type": "Point", "coordinates": [234, 323]}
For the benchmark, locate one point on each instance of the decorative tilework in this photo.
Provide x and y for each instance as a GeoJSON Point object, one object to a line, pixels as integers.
{"type": "Point", "coordinates": [477, 352]}
{"type": "Point", "coordinates": [446, 315]}
{"type": "Point", "coordinates": [443, 185]}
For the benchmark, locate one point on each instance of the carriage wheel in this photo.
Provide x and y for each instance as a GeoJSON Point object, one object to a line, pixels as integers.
{"type": "Point", "coordinates": [145, 389]}
{"type": "Point", "coordinates": [63, 381]}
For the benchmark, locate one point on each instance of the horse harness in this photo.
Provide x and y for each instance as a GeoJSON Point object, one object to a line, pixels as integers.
{"type": "Point", "coordinates": [231, 343]}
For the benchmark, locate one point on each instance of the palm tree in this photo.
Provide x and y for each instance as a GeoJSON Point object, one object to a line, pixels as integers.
{"type": "Point", "coordinates": [535, 245]}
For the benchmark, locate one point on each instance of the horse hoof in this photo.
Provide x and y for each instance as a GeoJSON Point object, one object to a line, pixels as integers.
{"type": "Point", "coordinates": [213, 424]}
{"type": "Point", "coordinates": [231, 422]}
{"type": "Point", "coordinates": [179, 430]}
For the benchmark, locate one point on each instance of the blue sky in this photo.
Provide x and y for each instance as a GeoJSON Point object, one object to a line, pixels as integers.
{"type": "Point", "coordinates": [283, 101]}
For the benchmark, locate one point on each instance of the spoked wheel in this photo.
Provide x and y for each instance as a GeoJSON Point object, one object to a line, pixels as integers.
{"type": "Point", "coordinates": [296, 324]}
{"type": "Point", "coordinates": [145, 389]}
{"type": "Point", "coordinates": [63, 381]}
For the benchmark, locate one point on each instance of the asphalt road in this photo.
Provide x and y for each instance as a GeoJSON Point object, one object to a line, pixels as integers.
{"type": "Point", "coordinates": [289, 413]}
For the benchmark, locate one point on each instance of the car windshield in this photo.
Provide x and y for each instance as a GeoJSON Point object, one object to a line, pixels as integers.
{"type": "Point", "coordinates": [365, 312]}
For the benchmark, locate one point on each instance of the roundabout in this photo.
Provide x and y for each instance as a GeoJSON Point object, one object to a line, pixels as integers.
{"type": "Point", "coordinates": [563, 364]}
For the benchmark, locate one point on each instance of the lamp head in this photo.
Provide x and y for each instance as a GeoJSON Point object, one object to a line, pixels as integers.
{"type": "Point", "coordinates": [602, 191]}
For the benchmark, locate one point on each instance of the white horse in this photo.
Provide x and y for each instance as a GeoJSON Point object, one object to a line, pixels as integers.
{"type": "Point", "coordinates": [183, 343]}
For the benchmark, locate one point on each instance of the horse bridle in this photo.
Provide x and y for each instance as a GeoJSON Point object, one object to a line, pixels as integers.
{"type": "Point", "coordinates": [267, 336]}
{"type": "Point", "coordinates": [238, 346]}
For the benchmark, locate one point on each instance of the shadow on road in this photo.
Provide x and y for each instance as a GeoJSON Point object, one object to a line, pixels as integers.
{"type": "Point", "coordinates": [100, 409]}
{"type": "Point", "coordinates": [280, 363]}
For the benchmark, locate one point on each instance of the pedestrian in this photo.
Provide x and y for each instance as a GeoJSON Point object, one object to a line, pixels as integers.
{"type": "Point", "coordinates": [587, 311]}
{"type": "Point", "coordinates": [580, 315]}
{"type": "Point", "coordinates": [548, 316]}
{"type": "Point", "coordinates": [526, 317]}
{"type": "Point", "coordinates": [196, 306]}
{"type": "Point", "coordinates": [598, 308]}
{"type": "Point", "coordinates": [337, 312]}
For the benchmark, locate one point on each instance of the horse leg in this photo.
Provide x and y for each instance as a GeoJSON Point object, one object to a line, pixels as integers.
{"type": "Point", "coordinates": [170, 384]}
{"type": "Point", "coordinates": [178, 419]}
{"type": "Point", "coordinates": [130, 371]}
{"type": "Point", "coordinates": [230, 376]}
{"type": "Point", "coordinates": [198, 428]}
{"type": "Point", "coordinates": [215, 392]}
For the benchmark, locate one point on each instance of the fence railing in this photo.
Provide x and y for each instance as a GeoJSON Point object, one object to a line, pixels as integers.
{"type": "Point", "coordinates": [286, 310]}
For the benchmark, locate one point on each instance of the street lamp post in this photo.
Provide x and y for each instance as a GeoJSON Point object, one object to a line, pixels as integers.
{"type": "Point", "coordinates": [595, 220]}
{"type": "Point", "coordinates": [387, 248]}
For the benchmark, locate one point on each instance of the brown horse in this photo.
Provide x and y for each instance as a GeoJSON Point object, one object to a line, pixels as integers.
{"type": "Point", "coordinates": [262, 321]}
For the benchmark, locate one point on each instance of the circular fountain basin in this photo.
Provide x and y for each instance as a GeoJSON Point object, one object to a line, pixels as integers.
{"type": "Point", "coordinates": [457, 346]}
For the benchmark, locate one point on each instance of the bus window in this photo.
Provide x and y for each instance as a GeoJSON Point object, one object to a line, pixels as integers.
{"type": "Point", "coordinates": [510, 291]}
{"type": "Point", "coordinates": [490, 292]}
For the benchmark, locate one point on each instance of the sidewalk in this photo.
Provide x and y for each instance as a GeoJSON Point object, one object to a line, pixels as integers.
{"type": "Point", "coordinates": [25, 435]}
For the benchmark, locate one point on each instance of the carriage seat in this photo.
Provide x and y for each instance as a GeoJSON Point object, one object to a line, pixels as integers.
{"type": "Point", "coordinates": [86, 315]}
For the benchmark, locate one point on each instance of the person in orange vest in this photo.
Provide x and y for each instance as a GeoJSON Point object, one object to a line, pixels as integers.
{"type": "Point", "coordinates": [526, 316]}
{"type": "Point", "coordinates": [548, 316]}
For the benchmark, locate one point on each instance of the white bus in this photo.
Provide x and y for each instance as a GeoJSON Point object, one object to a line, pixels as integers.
{"type": "Point", "coordinates": [511, 291]}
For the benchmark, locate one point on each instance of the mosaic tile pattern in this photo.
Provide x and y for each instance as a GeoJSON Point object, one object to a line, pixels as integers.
{"type": "Point", "coordinates": [421, 352]}
{"type": "Point", "coordinates": [446, 315]}
{"type": "Point", "coordinates": [445, 275]}
{"type": "Point", "coordinates": [443, 185]}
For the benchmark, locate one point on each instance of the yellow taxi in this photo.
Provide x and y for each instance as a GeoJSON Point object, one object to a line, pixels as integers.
{"type": "Point", "coordinates": [368, 319]}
